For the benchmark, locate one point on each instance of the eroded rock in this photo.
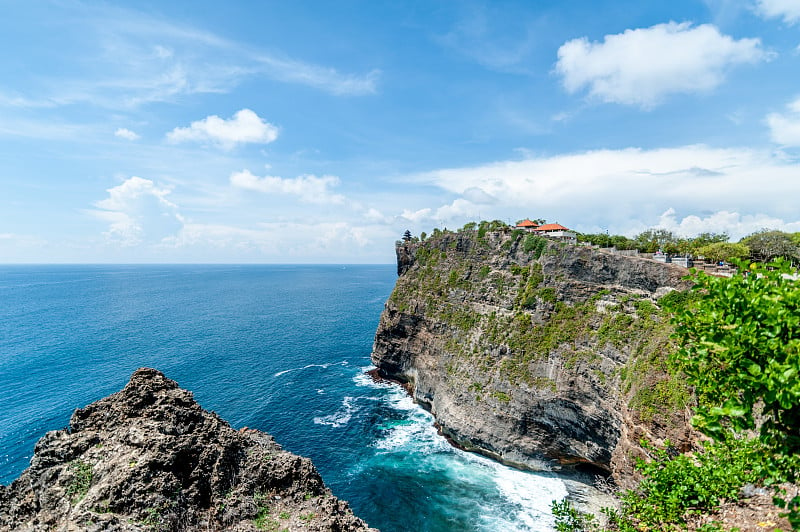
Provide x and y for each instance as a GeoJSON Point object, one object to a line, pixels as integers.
{"type": "Point", "coordinates": [150, 458]}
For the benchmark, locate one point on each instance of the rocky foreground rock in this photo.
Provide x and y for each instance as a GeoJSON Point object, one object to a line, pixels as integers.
{"type": "Point", "coordinates": [150, 458]}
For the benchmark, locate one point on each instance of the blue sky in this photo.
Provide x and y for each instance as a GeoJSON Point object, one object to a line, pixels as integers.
{"type": "Point", "coordinates": [304, 132]}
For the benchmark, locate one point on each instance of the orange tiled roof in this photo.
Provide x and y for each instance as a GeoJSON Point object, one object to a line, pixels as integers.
{"type": "Point", "coordinates": [551, 227]}
{"type": "Point", "coordinates": [526, 223]}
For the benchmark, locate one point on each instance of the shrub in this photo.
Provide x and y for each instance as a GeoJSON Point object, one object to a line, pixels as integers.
{"type": "Point", "coordinates": [81, 480]}
{"type": "Point", "coordinates": [741, 351]}
{"type": "Point", "coordinates": [534, 245]}
{"type": "Point", "coordinates": [676, 485]}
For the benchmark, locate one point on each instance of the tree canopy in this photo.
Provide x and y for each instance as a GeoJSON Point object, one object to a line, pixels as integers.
{"type": "Point", "coordinates": [766, 245]}
{"type": "Point", "coordinates": [724, 251]}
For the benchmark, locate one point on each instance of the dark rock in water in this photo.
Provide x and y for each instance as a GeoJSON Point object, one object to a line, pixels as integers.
{"type": "Point", "coordinates": [150, 458]}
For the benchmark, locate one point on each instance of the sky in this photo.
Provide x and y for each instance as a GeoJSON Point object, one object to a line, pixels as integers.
{"type": "Point", "coordinates": [318, 132]}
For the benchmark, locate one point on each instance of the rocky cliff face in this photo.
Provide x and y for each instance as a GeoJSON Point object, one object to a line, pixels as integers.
{"type": "Point", "coordinates": [150, 458]}
{"type": "Point", "coordinates": [540, 354]}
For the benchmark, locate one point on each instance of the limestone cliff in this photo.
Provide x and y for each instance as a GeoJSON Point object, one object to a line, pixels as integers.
{"type": "Point", "coordinates": [150, 458]}
{"type": "Point", "coordinates": [541, 354]}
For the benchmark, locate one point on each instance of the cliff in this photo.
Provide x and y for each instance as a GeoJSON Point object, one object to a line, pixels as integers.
{"type": "Point", "coordinates": [540, 354]}
{"type": "Point", "coordinates": [150, 458]}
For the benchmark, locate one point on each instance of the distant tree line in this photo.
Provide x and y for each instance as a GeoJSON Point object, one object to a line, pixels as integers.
{"type": "Point", "coordinates": [761, 246]}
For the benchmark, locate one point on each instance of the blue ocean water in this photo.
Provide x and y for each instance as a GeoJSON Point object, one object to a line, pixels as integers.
{"type": "Point", "coordinates": [279, 348]}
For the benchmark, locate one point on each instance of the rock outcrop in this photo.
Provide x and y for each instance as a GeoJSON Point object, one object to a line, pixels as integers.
{"type": "Point", "coordinates": [540, 354]}
{"type": "Point", "coordinates": [150, 458]}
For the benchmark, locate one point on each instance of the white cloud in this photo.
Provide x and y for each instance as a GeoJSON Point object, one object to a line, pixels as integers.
{"type": "Point", "coordinates": [375, 216]}
{"type": "Point", "coordinates": [785, 127]}
{"type": "Point", "coordinates": [642, 66]}
{"type": "Point", "coordinates": [733, 223]}
{"type": "Point", "coordinates": [325, 78]}
{"type": "Point", "coordinates": [130, 59]}
{"type": "Point", "coordinates": [625, 190]}
{"type": "Point", "coordinates": [479, 196]}
{"type": "Point", "coordinates": [137, 212]}
{"type": "Point", "coordinates": [127, 134]}
{"type": "Point", "coordinates": [244, 127]}
{"type": "Point", "coordinates": [789, 10]}
{"type": "Point", "coordinates": [309, 188]}
{"type": "Point", "coordinates": [459, 208]}
{"type": "Point", "coordinates": [336, 241]}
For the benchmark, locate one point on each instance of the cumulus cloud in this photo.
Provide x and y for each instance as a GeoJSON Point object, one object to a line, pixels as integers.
{"type": "Point", "coordinates": [642, 66]}
{"type": "Point", "coordinates": [478, 196]}
{"type": "Point", "coordinates": [309, 188]}
{"type": "Point", "coordinates": [244, 127]}
{"type": "Point", "coordinates": [419, 216]}
{"type": "Point", "coordinates": [126, 134]}
{"type": "Point", "coordinates": [444, 215]}
{"type": "Point", "coordinates": [785, 127]}
{"type": "Point", "coordinates": [733, 223]}
{"type": "Point", "coordinates": [788, 10]}
{"type": "Point", "coordinates": [375, 216]}
{"type": "Point", "coordinates": [137, 212]}
{"type": "Point", "coordinates": [626, 190]}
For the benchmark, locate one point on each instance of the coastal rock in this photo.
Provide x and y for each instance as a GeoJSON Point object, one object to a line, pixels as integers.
{"type": "Point", "coordinates": [150, 458]}
{"type": "Point", "coordinates": [540, 354]}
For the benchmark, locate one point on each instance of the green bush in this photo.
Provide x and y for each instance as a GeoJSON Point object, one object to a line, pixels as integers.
{"type": "Point", "coordinates": [740, 349]}
{"type": "Point", "coordinates": [568, 519]}
{"type": "Point", "coordinates": [534, 245]}
{"type": "Point", "coordinates": [81, 480]}
{"type": "Point", "coordinates": [678, 485]}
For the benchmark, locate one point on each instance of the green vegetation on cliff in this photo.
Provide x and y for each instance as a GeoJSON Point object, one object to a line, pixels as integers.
{"type": "Point", "coordinates": [458, 276]}
{"type": "Point", "coordinates": [521, 324]}
{"type": "Point", "coordinates": [740, 351]}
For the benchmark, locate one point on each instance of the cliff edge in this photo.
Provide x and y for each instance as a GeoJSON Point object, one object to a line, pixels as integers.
{"type": "Point", "coordinates": [150, 458]}
{"type": "Point", "coordinates": [540, 354]}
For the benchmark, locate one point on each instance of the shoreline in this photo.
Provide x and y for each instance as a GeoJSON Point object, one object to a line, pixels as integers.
{"type": "Point", "coordinates": [582, 490]}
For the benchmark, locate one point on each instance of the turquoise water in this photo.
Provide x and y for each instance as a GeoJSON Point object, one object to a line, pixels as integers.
{"type": "Point", "coordinates": [278, 348]}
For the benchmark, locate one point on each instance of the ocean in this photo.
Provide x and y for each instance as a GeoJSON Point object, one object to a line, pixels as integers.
{"type": "Point", "coordinates": [280, 348]}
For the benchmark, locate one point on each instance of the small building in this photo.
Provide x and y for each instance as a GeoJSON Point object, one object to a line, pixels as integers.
{"type": "Point", "coordinates": [557, 232]}
{"type": "Point", "coordinates": [527, 225]}
{"type": "Point", "coordinates": [660, 256]}
{"type": "Point", "coordinates": [686, 262]}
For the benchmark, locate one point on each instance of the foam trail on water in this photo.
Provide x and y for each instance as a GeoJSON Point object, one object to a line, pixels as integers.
{"type": "Point", "coordinates": [340, 417]}
{"type": "Point", "coordinates": [323, 366]}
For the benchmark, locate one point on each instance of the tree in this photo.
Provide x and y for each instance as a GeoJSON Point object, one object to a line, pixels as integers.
{"type": "Point", "coordinates": [653, 240]}
{"type": "Point", "coordinates": [740, 350]}
{"type": "Point", "coordinates": [423, 235]}
{"type": "Point", "coordinates": [724, 251]}
{"type": "Point", "coordinates": [705, 239]}
{"type": "Point", "coordinates": [407, 236]}
{"type": "Point", "coordinates": [622, 242]}
{"type": "Point", "coordinates": [766, 245]}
